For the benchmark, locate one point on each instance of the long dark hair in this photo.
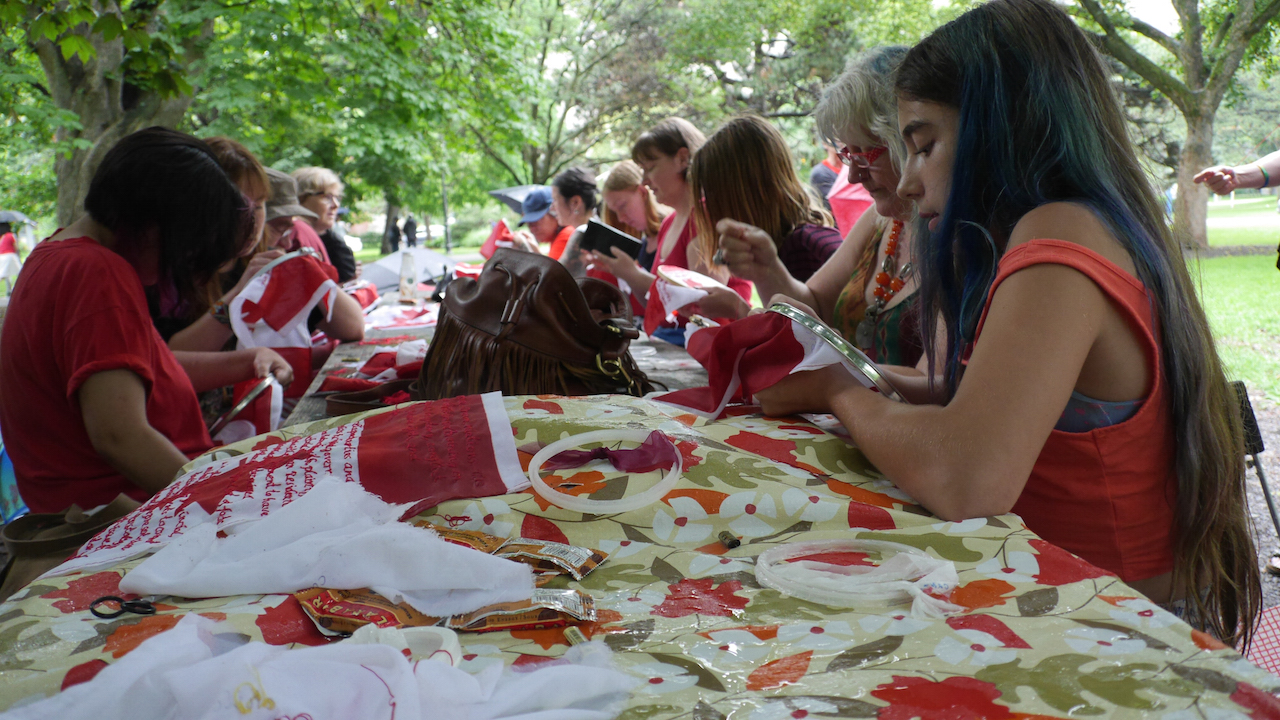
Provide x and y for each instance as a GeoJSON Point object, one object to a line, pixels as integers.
{"type": "Point", "coordinates": [1038, 123]}
{"type": "Point", "coordinates": [578, 182]}
{"type": "Point", "coordinates": [163, 181]}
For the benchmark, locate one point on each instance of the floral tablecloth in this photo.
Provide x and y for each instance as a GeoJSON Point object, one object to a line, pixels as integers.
{"type": "Point", "coordinates": [1043, 634]}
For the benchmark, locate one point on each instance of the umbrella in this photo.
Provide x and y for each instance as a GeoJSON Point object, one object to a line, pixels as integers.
{"type": "Point", "coordinates": [514, 196]}
{"type": "Point", "coordinates": [385, 273]}
{"type": "Point", "coordinates": [13, 216]}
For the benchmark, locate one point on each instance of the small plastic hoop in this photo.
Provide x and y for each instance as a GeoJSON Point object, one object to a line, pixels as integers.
{"type": "Point", "coordinates": [600, 507]}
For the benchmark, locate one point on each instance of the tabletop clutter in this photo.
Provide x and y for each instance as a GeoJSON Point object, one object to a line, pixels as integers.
{"type": "Point", "coordinates": [519, 520]}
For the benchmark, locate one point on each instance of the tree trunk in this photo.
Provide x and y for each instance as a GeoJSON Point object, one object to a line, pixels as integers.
{"type": "Point", "coordinates": [393, 216]}
{"type": "Point", "coordinates": [109, 108]}
{"type": "Point", "coordinates": [1190, 209]}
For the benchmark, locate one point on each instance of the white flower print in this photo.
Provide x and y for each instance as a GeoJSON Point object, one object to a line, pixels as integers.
{"type": "Point", "coordinates": [706, 564]}
{"type": "Point", "coordinates": [961, 527]}
{"type": "Point", "coordinates": [622, 548]}
{"type": "Point", "coordinates": [1017, 567]}
{"type": "Point", "coordinates": [895, 624]}
{"type": "Point", "coordinates": [731, 648]}
{"type": "Point", "coordinates": [661, 677]}
{"type": "Point", "coordinates": [641, 602]}
{"type": "Point", "coordinates": [1141, 613]}
{"type": "Point", "coordinates": [686, 526]}
{"type": "Point", "coordinates": [976, 647]}
{"type": "Point", "coordinates": [796, 707]}
{"type": "Point", "coordinates": [744, 511]}
{"type": "Point", "coordinates": [833, 635]}
{"type": "Point", "coordinates": [1101, 641]}
{"type": "Point", "coordinates": [810, 505]}
{"type": "Point", "coordinates": [483, 516]}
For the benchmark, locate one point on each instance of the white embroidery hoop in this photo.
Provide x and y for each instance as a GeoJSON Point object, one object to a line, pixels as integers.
{"type": "Point", "coordinates": [600, 507]}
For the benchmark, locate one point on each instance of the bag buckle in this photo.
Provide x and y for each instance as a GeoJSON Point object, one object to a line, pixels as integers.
{"type": "Point", "coordinates": [613, 369]}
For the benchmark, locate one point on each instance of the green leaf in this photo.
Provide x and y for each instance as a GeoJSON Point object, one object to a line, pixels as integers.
{"type": "Point", "coordinates": [706, 679]}
{"type": "Point", "coordinates": [665, 572]}
{"type": "Point", "coordinates": [109, 27]}
{"type": "Point", "coordinates": [1135, 634]}
{"type": "Point", "coordinates": [1210, 679]}
{"type": "Point", "coordinates": [635, 635]}
{"type": "Point", "coordinates": [703, 711]}
{"type": "Point", "coordinates": [73, 44]}
{"type": "Point", "coordinates": [1038, 602]}
{"type": "Point", "coordinates": [863, 654]}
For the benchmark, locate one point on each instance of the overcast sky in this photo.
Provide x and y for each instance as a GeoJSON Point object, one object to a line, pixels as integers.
{"type": "Point", "coordinates": [1159, 13]}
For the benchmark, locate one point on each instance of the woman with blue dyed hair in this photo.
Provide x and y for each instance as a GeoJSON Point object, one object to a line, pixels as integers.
{"type": "Point", "coordinates": [1076, 381]}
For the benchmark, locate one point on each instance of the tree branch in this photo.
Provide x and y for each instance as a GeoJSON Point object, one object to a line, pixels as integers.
{"type": "Point", "coordinates": [1116, 46]}
{"type": "Point", "coordinates": [484, 145]}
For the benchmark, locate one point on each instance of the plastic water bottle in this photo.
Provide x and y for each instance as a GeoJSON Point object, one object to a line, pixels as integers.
{"type": "Point", "coordinates": [408, 279]}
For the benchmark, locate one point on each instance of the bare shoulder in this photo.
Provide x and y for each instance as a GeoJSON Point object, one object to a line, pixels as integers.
{"type": "Point", "coordinates": [1071, 222]}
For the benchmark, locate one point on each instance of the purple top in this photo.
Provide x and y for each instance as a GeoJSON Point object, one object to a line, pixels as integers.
{"type": "Point", "coordinates": [807, 248]}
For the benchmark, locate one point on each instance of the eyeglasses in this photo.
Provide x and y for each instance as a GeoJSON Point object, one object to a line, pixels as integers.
{"type": "Point", "coordinates": [860, 159]}
{"type": "Point", "coordinates": [332, 198]}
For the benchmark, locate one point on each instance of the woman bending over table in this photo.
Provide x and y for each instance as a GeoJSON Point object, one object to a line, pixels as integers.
{"type": "Point", "coordinates": [744, 173]}
{"type": "Point", "coordinates": [92, 401]}
{"type": "Point", "coordinates": [865, 291]}
{"type": "Point", "coordinates": [1079, 385]}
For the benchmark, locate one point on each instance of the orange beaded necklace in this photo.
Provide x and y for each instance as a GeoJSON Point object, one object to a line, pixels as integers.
{"type": "Point", "coordinates": [889, 281]}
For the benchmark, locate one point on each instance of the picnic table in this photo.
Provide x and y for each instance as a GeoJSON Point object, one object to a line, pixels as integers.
{"type": "Point", "coordinates": [1042, 633]}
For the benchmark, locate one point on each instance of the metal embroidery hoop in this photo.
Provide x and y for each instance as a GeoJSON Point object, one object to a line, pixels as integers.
{"type": "Point", "coordinates": [853, 355]}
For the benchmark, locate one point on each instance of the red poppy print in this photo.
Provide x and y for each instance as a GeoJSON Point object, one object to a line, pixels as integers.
{"type": "Point", "coordinates": [1258, 703]}
{"type": "Point", "coordinates": [83, 673]}
{"type": "Point", "coordinates": [551, 407]}
{"type": "Point", "coordinates": [540, 528]}
{"type": "Point", "coordinates": [79, 593]}
{"type": "Point", "coordinates": [1059, 567]}
{"type": "Point", "coordinates": [287, 623]}
{"type": "Point", "coordinates": [990, 625]}
{"type": "Point", "coordinates": [778, 673]}
{"type": "Point", "coordinates": [870, 517]}
{"type": "Point", "coordinates": [699, 597]}
{"type": "Point", "coordinates": [956, 698]}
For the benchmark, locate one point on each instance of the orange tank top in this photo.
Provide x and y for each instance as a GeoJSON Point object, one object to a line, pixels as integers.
{"type": "Point", "coordinates": [1107, 495]}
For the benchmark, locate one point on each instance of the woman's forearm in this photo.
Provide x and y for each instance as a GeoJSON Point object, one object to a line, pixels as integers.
{"type": "Point", "coordinates": [206, 334]}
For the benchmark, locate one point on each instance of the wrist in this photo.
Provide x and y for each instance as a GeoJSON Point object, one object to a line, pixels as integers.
{"type": "Point", "coordinates": [1263, 174]}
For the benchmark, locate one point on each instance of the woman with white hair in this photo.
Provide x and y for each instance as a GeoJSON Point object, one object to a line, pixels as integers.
{"type": "Point", "coordinates": [320, 191]}
{"type": "Point", "coordinates": [864, 290]}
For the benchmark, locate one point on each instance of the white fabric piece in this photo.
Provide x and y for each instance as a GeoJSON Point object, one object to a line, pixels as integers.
{"type": "Point", "coordinates": [195, 672]}
{"type": "Point", "coordinates": [423, 643]}
{"type": "Point", "coordinates": [411, 351]}
{"type": "Point", "coordinates": [674, 297]}
{"type": "Point", "coordinates": [294, 333]}
{"type": "Point", "coordinates": [307, 460]}
{"type": "Point", "coordinates": [336, 536]}
{"type": "Point", "coordinates": [904, 573]}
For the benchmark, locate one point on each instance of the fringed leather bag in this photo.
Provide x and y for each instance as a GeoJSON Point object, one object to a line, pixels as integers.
{"type": "Point", "coordinates": [527, 327]}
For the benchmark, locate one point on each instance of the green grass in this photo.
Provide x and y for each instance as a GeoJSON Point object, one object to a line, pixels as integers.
{"type": "Point", "coordinates": [1241, 296]}
{"type": "Point", "coordinates": [1252, 221]}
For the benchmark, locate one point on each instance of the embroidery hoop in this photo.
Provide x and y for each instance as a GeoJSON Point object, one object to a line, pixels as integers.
{"type": "Point", "coordinates": [600, 507]}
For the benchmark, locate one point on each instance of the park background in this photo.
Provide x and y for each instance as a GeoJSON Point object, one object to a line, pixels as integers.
{"type": "Point", "coordinates": [423, 105]}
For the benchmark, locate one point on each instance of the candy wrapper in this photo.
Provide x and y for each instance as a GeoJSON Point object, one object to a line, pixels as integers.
{"type": "Point", "coordinates": [342, 612]}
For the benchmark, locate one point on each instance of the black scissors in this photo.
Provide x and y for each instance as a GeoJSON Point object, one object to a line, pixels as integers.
{"type": "Point", "coordinates": [141, 606]}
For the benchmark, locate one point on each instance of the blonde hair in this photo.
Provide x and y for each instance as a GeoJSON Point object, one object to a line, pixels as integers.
{"type": "Point", "coordinates": [744, 172]}
{"type": "Point", "coordinates": [627, 176]}
{"type": "Point", "coordinates": [863, 98]}
{"type": "Point", "coordinates": [315, 180]}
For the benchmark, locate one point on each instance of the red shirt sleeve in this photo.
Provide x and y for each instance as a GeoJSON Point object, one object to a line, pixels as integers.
{"type": "Point", "coordinates": [557, 245]}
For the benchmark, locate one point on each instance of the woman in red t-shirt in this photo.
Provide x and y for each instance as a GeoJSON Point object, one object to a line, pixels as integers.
{"type": "Point", "coordinates": [92, 401]}
{"type": "Point", "coordinates": [1079, 385]}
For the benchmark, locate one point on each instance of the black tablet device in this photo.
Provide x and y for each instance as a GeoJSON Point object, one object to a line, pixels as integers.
{"type": "Point", "coordinates": [601, 238]}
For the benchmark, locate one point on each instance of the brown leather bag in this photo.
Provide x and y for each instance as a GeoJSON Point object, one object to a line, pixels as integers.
{"type": "Point", "coordinates": [527, 327]}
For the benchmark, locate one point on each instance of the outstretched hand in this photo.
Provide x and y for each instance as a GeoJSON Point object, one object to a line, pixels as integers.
{"type": "Point", "coordinates": [1221, 179]}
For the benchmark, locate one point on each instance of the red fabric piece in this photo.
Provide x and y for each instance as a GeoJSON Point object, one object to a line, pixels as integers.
{"type": "Point", "coordinates": [305, 236]}
{"type": "Point", "coordinates": [366, 295]}
{"type": "Point", "coordinates": [766, 346]}
{"type": "Point", "coordinates": [409, 370]}
{"type": "Point", "coordinates": [1106, 495]}
{"type": "Point", "coordinates": [293, 284]}
{"type": "Point", "coordinates": [558, 243]}
{"type": "Point", "coordinates": [396, 398]}
{"type": "Point", "coordinates": [300, 360]}
{"type": "Point", "coordinates": [378, 363]}
{"type": "Point", "coordinates": [8, 243]}
{"type": "Point", "coordinates": [341, 384]}
{"type": "Point", "coordinates": [78, 309]}
{"type": "Point", "coordinates": [394, 340]}
{"type": "Point", "coordinates": [500, 233]}
{"type": "Point", "coordinates": [655, 453]}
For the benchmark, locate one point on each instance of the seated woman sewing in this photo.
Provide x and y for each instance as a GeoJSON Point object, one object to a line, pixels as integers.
{"type": "Point", "coordinates": [92, 401]}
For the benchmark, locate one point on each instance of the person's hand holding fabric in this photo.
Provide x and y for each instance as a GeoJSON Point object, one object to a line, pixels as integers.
{"type": "Point", "coordinates": [810, 391]}
{"type": "Point", "coordinates": [719, 303]}
{"type": "Point", "coordinates": [267, 361]}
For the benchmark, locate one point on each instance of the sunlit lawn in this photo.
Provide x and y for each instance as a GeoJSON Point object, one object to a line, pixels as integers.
{"type": "Point", "coordinates": [1252, 221]}
{"type": "Point", "coordinates": [1241, 295]}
